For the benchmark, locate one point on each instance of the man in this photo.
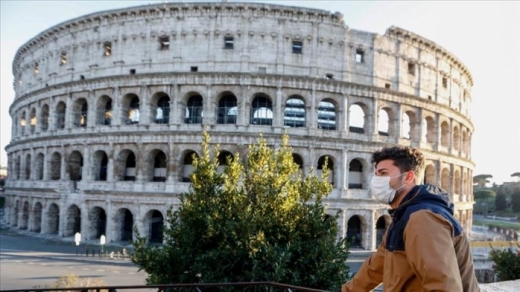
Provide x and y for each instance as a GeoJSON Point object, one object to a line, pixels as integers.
{"type": "Point", "coordinates": [425, 248]}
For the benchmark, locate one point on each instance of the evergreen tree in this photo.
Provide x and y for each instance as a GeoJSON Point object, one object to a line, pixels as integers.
{"type": "Point", "coordinates": [506, 263]}
{"type": "Point", "coordinates": [259, 220]}
{"type": "Point", "coordinates": [501, 199]}
{"type": "Point", "coordinates": [515, 200]}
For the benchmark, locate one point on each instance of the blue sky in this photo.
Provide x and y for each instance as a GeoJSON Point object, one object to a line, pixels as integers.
{"type": "Point", "coordinates": [484, 35]}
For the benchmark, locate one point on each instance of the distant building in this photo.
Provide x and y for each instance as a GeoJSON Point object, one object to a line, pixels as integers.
{"type": "Point", "coordinates": [110, 106]}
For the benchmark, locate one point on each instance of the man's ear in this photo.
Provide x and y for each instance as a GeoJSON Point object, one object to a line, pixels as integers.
{"type": "Point", "coordinates": [410, 177]}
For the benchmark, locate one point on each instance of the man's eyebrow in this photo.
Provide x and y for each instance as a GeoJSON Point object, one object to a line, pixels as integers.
{"type": "Point", "coordinates": [381, 169]}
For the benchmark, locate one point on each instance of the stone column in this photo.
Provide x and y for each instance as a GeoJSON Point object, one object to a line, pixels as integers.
{"type": "Point", "coordinates": [313, 109]}
{"type": "Point", "coordinates": [116, 107]}
{"type": "Point", "coordinates": [343, 115]}
{"type": "Point", "coordinates": [209, 107]}
{"type": "Point", "coordinates": [22, 166]}
{"type": "Point", "coordinates": [277, 110]}
{"type": "Point", "coordinates": [110, 164]}
{"type": "Point", "coordinates": [344, 170]}
{"type": "Point", "coordinates": [85, 221]}
{"type": "Point", "coordinates": [144, 107]}
{"type": "Point", "coordinates": [438, 134]}
{"type": "Point", "coordinates": [243, 106]}
{"type": "Point", "coordinates": [91, 114]}
{"type": "Point", "coordinates": [398, 128]}
{"type": "Point", "coordinates": [46, 162]}
{"type": "Point", "coordinates": [171, 170]}
{"type": "Point", "coordinates": [110, 227]}
{"type": "Point", "coordinates": [174, 97]}
{"type": "Point", "coordinates": [64, 174]}
{"type": "Point", "coordinates": [86, 174]}
{"type": "Point", "coordinates": [69, 112]}
{"type": "Point", "coordinates": [450, 138]}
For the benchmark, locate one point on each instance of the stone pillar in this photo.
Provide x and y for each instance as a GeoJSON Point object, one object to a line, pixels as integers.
{"type": "Point", "coordinates": [91, 114]}
{"type": "Point", "coordinates": [116, 107]}
{"type": "Point", "coordinates": [174, 97]}
{"type": "Point", "coordinates": [110, 227]}
{"type": "Point", "coordinates": [170, 171]}
{"type": "Point", "coordinates": [69, 112]}
{"type": "Point", "coordinates": [343, 115]}
{"type": "Point", "coordinates": [23, 163]}
{"type": "Point", "coordinates": [450, 138]}
{"type": "Point", "coordinates": [142, 166]}
{"type": "Point", "coordinates": [438, 134]}
{"type": "Point", "coordinates": [398, 122]}
{"type": "Point", "coordinates": [86, 174]}
{"type": "Point", "coordinates": [144, 107]}
{"type": "Point", "coordinates": [45, 218]}
{"type": "Point", "coordinates": [110, 164]}
{"type": "Point", "coordinates": [452, 181]}
{"type": "Point", "coordinates": [243, 107]}
{"type": "Point", "coordinates": [419, 129]}
{"type": "Point", "coordinates": [209, 107]}
{"type": "Point", "coordinates": [277, 110]}
{"type": "Point", "coordinates": [343, 168]}
{"type": "Point", "coordinates": [46, 161]}
{"type": "Point", "coordinates": [85, 221]}
{"type": "Point", "coordinates": [312, 110]}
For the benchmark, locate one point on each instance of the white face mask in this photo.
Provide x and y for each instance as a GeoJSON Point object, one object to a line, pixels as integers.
{"type": "Point", "coordinates": [380, 188]}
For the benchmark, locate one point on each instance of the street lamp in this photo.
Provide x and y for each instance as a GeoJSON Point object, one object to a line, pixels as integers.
{"type": "Point", "coordinates": [77, 239]}
{"type": "Point", "coordinates": [102, 241]}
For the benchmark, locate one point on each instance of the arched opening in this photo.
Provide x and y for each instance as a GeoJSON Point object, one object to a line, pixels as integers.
{"type": "Point", "coordinates": [194, 110]}
{"type": "Point", "coordinates": [155, 222]}
{"type": "Point", "coordinates": [80, 111]}
{"type": "Point", "coordinates": [406, 126]}
{"type": "Point", "coordinates": [327, 115]}
{"type": "Point", "coordinates": [355, 174]}
{"type": "Point", "coordinates": [159, 166]}
{"type": "Point", "coordinates": [131, 112]}
{"type": "Point", "coordinates": [357, 119]}
{"type": "Point", "coordinates": [55, 166]}
{"type": "Point", "coordinates": [445, 132]}
{"type": "Point", "coordinates": [22, 124]}
{"type": "Point", "coordinates": [100, 165]}
{"type": "Point", "coordinates": [261, 110]}
{"type": "Point", "coordinates": [445, 179]}
{"type": "Point", "coordinates": [294, 113]}
{"type": "Point", "coordinates": [60, 115]}
{"type": "Point", "coordinates": [38, 167]}
{"type": "Point", "coordinates": [457, 187]}
{"type": "Point", "coordinates": [73, 221]}
{"type": "Point", "coordinates": [37, 214]}
{"type": "Point", "coordinates": [33, 120]}
{"type": "Point", "coordinates": [124, 224]}
{"type": "Point", "coordinates": [14, 215]}
{"type": "Point", "coordinates": [98, 222]}
{"type": "Point", "coordinates": [354, 235]}
{"type": "Point", "coordinates": [465, 142]}
{"type": "Point", "coordinates": [381, 226]}
{"type": "Point", "coordinates": [383, 123]}
{"type": "Point", "coordinates": [429, 130]}
{"type": "Point", "coordinates": [28, 166]}
{"type": "Point", "coordinates": [222, 160]}
{"type": "Point", "coordinates": [25, 216]}
{"type": "Point", "coordinates": [456, 138]}
{"type": "Point", "coordinates": [429, 175]}
{"type": "Point", "coordinates": [17, 167]}
{"type": "Point", "coordinates": [53, 219]}
{"type": "Point", "coordinates": [104, 111]}
{"type": "Point", "coordinates": [75, 166]}
{"type": "Point", "coordinates": [130, 167]}
{"type": "Point", "coordinates": [227, 109]}
{"type": "Point", "coordinates": [162, 111]}
{"type": "Point", "coordinates": [187, 167]}
{"type": "Point", "coordinates": [44, 118]}
{"type": "Point", "coordinates": [330, 166]}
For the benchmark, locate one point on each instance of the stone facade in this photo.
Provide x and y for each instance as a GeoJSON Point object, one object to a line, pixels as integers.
{"type": "Point", "coordinates": [109, 109]}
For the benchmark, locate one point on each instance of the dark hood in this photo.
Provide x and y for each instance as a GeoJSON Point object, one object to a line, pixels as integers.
{"type": "Point", "coordinates": [424, 194]}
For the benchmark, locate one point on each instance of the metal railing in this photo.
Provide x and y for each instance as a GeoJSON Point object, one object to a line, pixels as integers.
{"type": "Point", "coordinates": [196, 287]}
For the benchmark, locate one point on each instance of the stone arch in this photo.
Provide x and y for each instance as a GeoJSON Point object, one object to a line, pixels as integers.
{"type": "Point", "coordinates": [457, 186]}
{"type": "Point", "coordinates": [100, 165]}
{"type": "Point", "coordinates": [14, 214]}
{"type": "Point", "coordinates": [261, 110]}
{"type": "Point", "coordinates": [28, 167]}
{"type": "Point", "coordinates": [104, 110]}
{"type": "Point", "coordinates": [72, 221]}
{"type": "Point", "coordinates": [297, 158]}
{"type": "Point", "coordinates": [80, 112]}
{"type": "Point", "coordinates": [61, 111]}
{"type": "Point", "coordinates": [194, 111]}
{"type": "Point", "coordinates": [159, 168]}
{"type": "Point", "coordinates": [430, 176]}
{"type": "Point", "coordinates": [464, 141]}
{"type": "Point", "coordinates": [445, 179]}
{"type": "Point", "coordinates": [384, 124]}
{"type": "Point", "coordinates": [127, 163]}
{"type": "Point", "coordinates": [44, 118]}
{"type": "Point", "coordinates": [187, 165]}
{"type": "Point", "coordinates": [37, 217]}
{"type": "Point", "coordinates": [124, 224]}
{"type": "Point", "coordinates": [75, 166]}
{"type": "Point", "coordinates": [429, 129]}
{"type": "Point", "coordinates": [222, 160]}
{"type": "Point", "coordinates": [294, 112]}
{"type": "Point", "coordinates": [382, 224]}
{"type": "Point", "coordinates": [445, 132]}
{"type": "Point", "coordinates": [25, 216]}
{"type": "Point", "coordinates": [160, 109]}
{"type": "Point", "coordinates": [97, 219]}
{"type": "Point", "coordinates": [327, 114]}
{"type": "Point", "coordinates": [33, 120]}
{"type": "Point", "coordinates": [131, 109]}
{"type": "Point", "coordinates": [358, 118]}
{"type": "Point", "coordinates": [355, 229]}
{"type": "Point", "coordinates": [330, 165]}
{"type": "Point", "coordinates": [409, 126]}
{"type": "Point", "coordinates": [356, 171]}
{"type": "Point", "coordinates": [456, 138]}
{"type": "Point", "coordinates": [17, 167]}
{"type": "Point", "coordinates": [53, 219]}
{"type": "Point", "coordinates": [22, 123]}
{"type": "Point", "coordinates": [154, 224]}
{"type": "Point", "coordinates": [227, 109]}
{"type": "Point", "coordinates": [38, 166]}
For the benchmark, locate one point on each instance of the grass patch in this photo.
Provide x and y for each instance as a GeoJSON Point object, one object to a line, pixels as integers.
{"type": "Point", "coordinates": [512, 225]}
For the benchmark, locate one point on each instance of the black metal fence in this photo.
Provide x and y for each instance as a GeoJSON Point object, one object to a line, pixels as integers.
{"type": "Point", "coordinates": [196, 287]}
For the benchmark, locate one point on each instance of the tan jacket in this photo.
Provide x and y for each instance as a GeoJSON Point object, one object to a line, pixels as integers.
{"type": "Point", "coordinates": [433, 258]}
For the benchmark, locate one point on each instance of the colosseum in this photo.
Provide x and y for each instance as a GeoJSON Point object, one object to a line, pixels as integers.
{"type": "Point", "coordinates": [110, 107]}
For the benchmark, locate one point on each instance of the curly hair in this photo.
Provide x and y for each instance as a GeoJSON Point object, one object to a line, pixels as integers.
{"type": "Point", "coordinates": [404, 157]}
